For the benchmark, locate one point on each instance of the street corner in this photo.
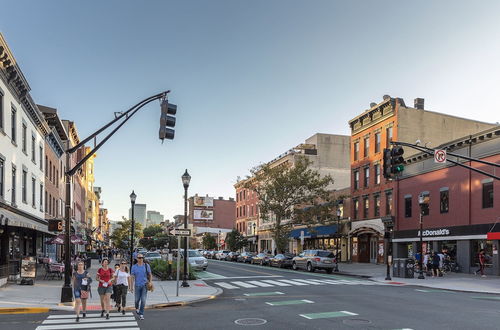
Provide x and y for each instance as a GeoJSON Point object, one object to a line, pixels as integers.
{"type": "Point", "coordinates": [23, 310]}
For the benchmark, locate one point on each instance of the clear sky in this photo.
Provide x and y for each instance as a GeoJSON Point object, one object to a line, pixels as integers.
{"type": "Point", "coordinates": [251, 78]}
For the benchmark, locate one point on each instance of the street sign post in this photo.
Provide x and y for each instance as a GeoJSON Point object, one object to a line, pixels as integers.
{"type": "Point", "coordinates": [440, 156]}
{"type": "Point", "coordinates": [181, 232]}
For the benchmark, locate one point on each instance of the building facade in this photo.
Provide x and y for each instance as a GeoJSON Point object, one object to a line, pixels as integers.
{"type": "Point", "coordinates": [154, 218]}
{"type": "Point", "coordinates": [139, 214]}
{"type": "Point", "coordinates": [372, 195]}
{"type": "Point", "coordinates": [464, 205]}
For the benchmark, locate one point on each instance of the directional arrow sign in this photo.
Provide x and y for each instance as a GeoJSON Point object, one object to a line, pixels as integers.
{"type": "Point", "coordinates": [181, 232]}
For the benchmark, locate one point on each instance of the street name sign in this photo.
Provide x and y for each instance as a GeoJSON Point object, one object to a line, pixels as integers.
{"type": "Point", "coordinates": [181, 232]}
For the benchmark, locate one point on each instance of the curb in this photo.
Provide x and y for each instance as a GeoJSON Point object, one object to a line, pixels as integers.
{"type": "Point", "coordinates": [69, 306]}
{"type": "Point", "coordinates": [437, 288]}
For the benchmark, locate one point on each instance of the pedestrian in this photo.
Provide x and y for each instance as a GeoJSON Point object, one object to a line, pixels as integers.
{"type": "Point", "coordinates": [482, 262]}
{"type": "Point", "coordinates": [134, 256]}
{"type": "Point", "coordinates": [81, 289]}
{"type": "Point", "coordinates": [426, 262]}
{"type": "Point", "coordinates": [435, 264]}
{"type": "Point", "coordinates": [123, 285]}
{"type": "Point", "coordinates": [141, 276]}
{"type": "Point", "coordinates": [105, 276]}
{"type": "Point", "coordinates": [115, 290]}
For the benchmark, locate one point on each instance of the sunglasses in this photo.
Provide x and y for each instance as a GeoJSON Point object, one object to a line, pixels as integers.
{"type": "Point", "coordinates": [140, 257]}
{"type": "Point", "coordinates": [124, 263]}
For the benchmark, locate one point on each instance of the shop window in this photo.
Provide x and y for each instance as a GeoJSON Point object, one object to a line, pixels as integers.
{"type": "Point", "coordinates": [477, 245]}
{"type": "Point", "coordinates": [444, 201]}
{"type": "Point", "coordinates": [487, 194]}
{"type": "Point", "coordinates": [408, 207]}
{"type": "Point", "coordinates": [356, 150]}
{"type": "Point", "coordinates": [366, 206]}
{"type": "Point", "coordinates": [376, 204]}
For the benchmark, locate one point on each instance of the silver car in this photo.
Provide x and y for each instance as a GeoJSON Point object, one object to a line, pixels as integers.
{"type": "Point", "coordinates": [150, 256]}
{"type": "Point", "coordinates": [314, 259]}
{"type": "Point", "coordinates": [196, 260]}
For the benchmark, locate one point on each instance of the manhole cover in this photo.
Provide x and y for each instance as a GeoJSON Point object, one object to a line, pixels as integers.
{"type": "Point", "coordinates": [356, 322]}
{"type": "Point", "coordinates": [250, 321]}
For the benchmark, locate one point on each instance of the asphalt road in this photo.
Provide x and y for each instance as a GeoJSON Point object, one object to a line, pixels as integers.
{"type": "Point", "coordinates": [286, 299]}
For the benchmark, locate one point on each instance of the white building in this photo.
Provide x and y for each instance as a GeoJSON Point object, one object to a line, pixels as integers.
{"type": "Point", "coordinates": [154, 218]}
{"type": "Point", "coordinates": [139, 214]}
{"type": "Point", "coordinates": [22, 132]}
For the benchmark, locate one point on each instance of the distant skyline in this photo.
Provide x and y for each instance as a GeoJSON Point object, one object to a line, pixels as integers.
{"type": "Point", "coordinates": [251, 78]}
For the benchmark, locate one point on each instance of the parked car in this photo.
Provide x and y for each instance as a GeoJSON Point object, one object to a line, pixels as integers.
{"type": "Point", "coordinates": [221, 255]}
{"type": "Point", "coordinates": [208, 254]}
{"type": "Point", "coordinates": [232, 256]}
{"type": "Point", "coordinates": [150, 256]}
{"type": "Point", "coordinates": [282, 260]}
{"type": "Point", "coordinates": [314, 259]}
{"type": "Point", "coordinates": [196, 260]}
{"type": "Point", "coordinates": [246, 257]}
{"type": "Point", "coordinates": [262, 259]}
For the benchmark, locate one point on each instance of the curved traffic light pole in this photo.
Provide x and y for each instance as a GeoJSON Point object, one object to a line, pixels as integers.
{"type": "Point", "coordinates": [67, 291]}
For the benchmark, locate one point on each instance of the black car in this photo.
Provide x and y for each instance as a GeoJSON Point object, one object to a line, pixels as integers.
{"type": "Point", "coordinates": [282, 260]}
{"type": "Point", "coordinates": [246, 257]}
{"type": "Point", "coordinates": [232, 256]}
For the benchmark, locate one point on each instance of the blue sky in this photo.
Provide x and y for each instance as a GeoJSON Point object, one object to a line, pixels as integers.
{"type": "Point", "coordinates": [251, 78]}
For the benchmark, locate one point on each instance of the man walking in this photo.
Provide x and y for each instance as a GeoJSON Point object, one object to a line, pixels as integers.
{"type": "Point", "coordinates": [141, 275]}
{"type": "Point", "coordinates": [482, 262]}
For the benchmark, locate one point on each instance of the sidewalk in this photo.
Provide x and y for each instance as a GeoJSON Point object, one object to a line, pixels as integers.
{"type": "Point", "coordinates": [451, 281]}
{"type": "Point", "coordinates": [45, 295]}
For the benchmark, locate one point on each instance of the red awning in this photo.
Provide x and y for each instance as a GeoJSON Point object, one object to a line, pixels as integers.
{"type": "Point", "coordinates": [493, 236]}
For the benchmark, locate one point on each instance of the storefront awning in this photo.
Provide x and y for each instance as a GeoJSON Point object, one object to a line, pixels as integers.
{"type": "Point", "coordinates": [16, 220]}
{"type": "Point", "coordinates": [320, 231]}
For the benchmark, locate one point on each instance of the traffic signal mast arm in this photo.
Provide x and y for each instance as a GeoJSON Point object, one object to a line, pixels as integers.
{"type": "Point", "coordinates": [430, 151]}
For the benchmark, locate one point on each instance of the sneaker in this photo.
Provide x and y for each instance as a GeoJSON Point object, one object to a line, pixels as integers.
{"type": "Point", "coordinates": [107, 316]}
{"type": "Point", "coordinates": [137, 311]}
{"type": "Point", "coordinates": [78, 319]}
{"type": "Point", "coordinates": [123, 311]}
{"type": "Point", "coordinates": [119, 309]}
{"type": "Point", "coordinates": [483, 275]}
{"type": "Point", "coordinates": [84, 314]}
{"type": "Point", "coordinates": [102, 313]}
{"type": "Point", "coordinates": [141, 317]}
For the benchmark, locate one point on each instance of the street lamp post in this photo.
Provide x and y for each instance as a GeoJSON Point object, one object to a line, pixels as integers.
{"type": "Point", "coordinates": [186, 178]}
{"type": "Point", "coordinates": [133, 196]}
{"type": "Point", "coordinates": [336, 269]}
{"type": "Point", "coordinates": [423, 201]}
{"type": "Point", "coordinates": [254, 237]}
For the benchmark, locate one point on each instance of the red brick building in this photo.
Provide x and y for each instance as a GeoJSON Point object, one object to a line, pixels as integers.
{"type": "Point", "coordinates": [464, 205]}
{"type": "Point", "coordinates": [372, 195]}
{"type": "Point", "coordinates": [210, 212]}
{"type": "Point", "coordinates": [247, 214]}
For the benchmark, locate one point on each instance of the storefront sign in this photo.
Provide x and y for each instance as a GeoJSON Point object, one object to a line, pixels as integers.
{"type": "Point", "coordinates": [435, 232]}
{"type": "Point", "coordinates": [481, 229]}
{"type": "Point", "coordinates": [28, 267]}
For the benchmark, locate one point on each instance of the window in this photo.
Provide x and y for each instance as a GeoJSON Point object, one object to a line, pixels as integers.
{"type": "Point", "coordinates": [33, 148]}
{"type": "Point", "coordinates": [376, 204]}
{"type": "Point", "coordinates": [57, 178]}
{"type": "Point", "coordinates": [388, 137]}
{"type": "Point", "coordinates": [366, 206]}
{"type": "Point", "coordinates": [366, 147]}
{"type": "Point", "coordinates": [367, 176]}
{"type": "Point", "coordinates": [46, 199]}
{"type": "Point", "coordinates": [24, 142]}
{"type": "Point", "coordinates": [487, 194]}
{"type": "Point", "coordinates": [1, 110]}
{"type": "Point", "coordinates": [444, 200]}
{"type": "Point", "coordinates": [13, 190]}
{"type": "Point", "coordinates": [377, 142]}
{"type": "Point", "coordinates": [355, 209]}
{"type": "Point", "coordinates": [50, 170]}
{"type": "Point", "coordinates": [356, 150]}
{"type": "Point", "coordinates": [376, 168]}
{"type": "Point", "coordinates": [41, 158]}
{"type": "Point", "coordinates": [46, 167]}
{"type": "Point", "coordinates": [50, 205]}
{"type": "Point", "coordinates": [24, 186]}
{"type": "Point", "coordinates": [388, 203]}
{"type": "Point", "coordinates": [41, 197]}
{"type": "Point", "coordinates": [408, 207]}
{"type": "Point", "coordinates": [33, 192]}
{"type": "Point", "coordinates": [356, 179]}
{"type": "Point", "coordinates": [2, 172]}
{"type": "Point", "coordinates": [244, 194]}
{"type": "Point", "coordinates": [13, 124]}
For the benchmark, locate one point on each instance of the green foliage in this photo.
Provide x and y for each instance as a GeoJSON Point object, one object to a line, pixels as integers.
{"type": "Point", "coordinates": [282, 190]}
{"type": "Point", "coordinates": [209, 242]}
{"type": "Point", "coordinates": [236, 241]}
{"type": "Point", "coordinates": [155, 237]}
{"type": "Point", "coordinates": [121, 236]}
{"type": "Point", "coordinates": [161, 269]}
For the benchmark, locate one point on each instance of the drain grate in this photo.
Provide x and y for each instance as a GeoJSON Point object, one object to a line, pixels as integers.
{"type": "Point", "coordinates": [250, 321]}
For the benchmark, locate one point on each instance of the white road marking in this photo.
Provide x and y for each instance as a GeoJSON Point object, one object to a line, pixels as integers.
{"type": "Point", "coordinates": [226, 285]}
{"type": "Point", "coordinates": [262, 284]}
{"type": "Point", "coordinates": [85, 320]}
{"type": "Point", "coordinates": [72, 316]}
{"type": "Point", "coordinates": [307, 281]}
{"type": "Point", "coordinates": [243, 284]}
{"type": "Point", "coordinates": [276, 283]}
{"type": "Point", "coordinates": [293, 282]}
{"type": "Point", "coordinates": [75, 325]}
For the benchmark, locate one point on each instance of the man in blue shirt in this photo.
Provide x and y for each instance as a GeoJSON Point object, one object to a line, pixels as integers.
{"type": "Point", "coordinates": [141, 275]}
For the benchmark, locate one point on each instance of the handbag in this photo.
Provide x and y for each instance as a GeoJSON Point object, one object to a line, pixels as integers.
{"type": "Point", "coordinates": [149, 286]}
{"type": "Point", "coordinates": [84, 294]}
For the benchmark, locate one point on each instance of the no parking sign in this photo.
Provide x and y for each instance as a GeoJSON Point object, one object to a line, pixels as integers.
{"type": "Point", "coordinates": [440, 156]}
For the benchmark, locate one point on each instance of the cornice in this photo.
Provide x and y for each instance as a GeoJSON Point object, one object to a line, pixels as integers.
{"type": "Point", "coordinates": [374, 115]}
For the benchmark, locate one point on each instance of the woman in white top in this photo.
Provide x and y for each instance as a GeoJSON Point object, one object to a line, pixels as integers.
{"type": "Point", "coordinates": [122, 282]}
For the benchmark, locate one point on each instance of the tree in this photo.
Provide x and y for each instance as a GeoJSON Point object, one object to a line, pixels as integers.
{"type": "Point", "coordinates": [283, 191]}
{"type": "Point", "coordinates": [209, 242]}
{"type": "Point", "coordinates": [235, 240]}
{"type": "Point", "coordinates": [154, 236]}
{"type": "Point", "coordinates": [121, 235]}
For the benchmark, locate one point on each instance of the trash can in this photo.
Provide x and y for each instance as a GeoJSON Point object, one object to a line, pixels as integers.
{"type": "Point", "coordinates": [395, 267]}
{"type": "Point", "coordinates": [408, 268]}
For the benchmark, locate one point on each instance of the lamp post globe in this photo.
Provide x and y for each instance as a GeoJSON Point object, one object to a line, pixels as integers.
{"type": "Point", "coordinates": [186, 179]}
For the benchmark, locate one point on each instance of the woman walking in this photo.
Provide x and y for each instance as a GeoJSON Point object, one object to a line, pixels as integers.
{"type": "Point", "coordinates": [105, 276]}
{"type": "Point", "coordinates": [122, 285]}
{"type": "Point", "coordinates": [81, 285]}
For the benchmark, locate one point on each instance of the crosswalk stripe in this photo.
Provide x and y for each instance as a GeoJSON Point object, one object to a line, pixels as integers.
{"type": "Point", "coordinates": [307, 281]}
{"type": "Point", "coordinates": [226, 285]}
{"type": "Point", "coordinates": [85, 320]}
{"type": "Point", "coordinates": [243, 284]}
{"type": "Point", "coordinates": [72, 316]}
{"type": "Point", "coordinates": [327, 281]}
{"type": "Point", "coordinates": [75, 325]}
{"type": "Point", "coordinates": [293, 282]}
{"type": "Point", "coordinates": [276, 283]}
{"type": "Point", "coordinates": [262, 284]}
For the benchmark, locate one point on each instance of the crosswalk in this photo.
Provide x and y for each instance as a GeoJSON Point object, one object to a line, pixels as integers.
{"type": "Point", "coordinates": [231, 285]}
{"type": "Point", "coordinates": [117, 321]}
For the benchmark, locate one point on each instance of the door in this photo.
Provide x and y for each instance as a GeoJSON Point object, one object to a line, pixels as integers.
{"type": "Point", "coordinates": [373, 249]}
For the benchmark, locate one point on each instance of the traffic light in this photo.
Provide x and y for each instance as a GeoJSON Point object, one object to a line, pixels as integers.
{"type": "Point", "coordinates": [387, 164]}
{"type": "Point", "coordinates": [397, 160]}
{"type": "Point", "coordinates": [167, 119]}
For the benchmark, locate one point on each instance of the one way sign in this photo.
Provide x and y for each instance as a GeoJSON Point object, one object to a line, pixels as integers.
{"type": "Point", "coordinates": [181, 232]}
